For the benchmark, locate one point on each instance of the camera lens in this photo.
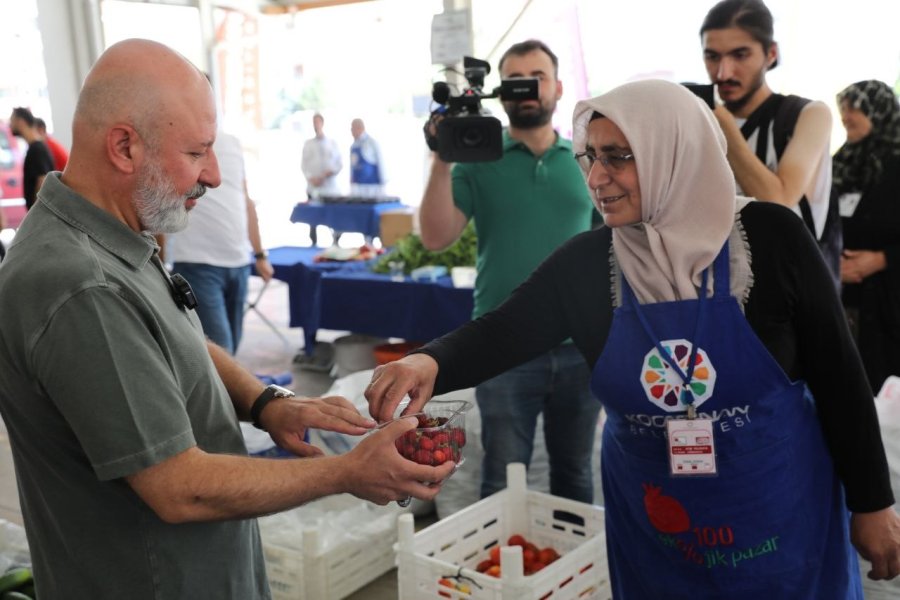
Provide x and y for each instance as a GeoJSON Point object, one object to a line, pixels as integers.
{"type": "Point", "coordinates": [471, 137]}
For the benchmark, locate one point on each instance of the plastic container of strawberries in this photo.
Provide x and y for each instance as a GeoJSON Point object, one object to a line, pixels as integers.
{"type": "Point", "coordinates": [440, 436]}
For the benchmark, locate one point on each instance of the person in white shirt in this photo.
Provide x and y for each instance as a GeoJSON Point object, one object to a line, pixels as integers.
{"type": "Point", "coordinates": [213, 251]}
{"type": "Point", "coordinates": [320, 165]}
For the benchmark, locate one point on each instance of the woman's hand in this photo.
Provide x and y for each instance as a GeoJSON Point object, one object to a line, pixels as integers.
{"type": "Point", "coordinates": [876, 536]}
{"type": "Point", "coordinates": [413, 375]}
{"type": "Point", "coordinates": [856, 265]}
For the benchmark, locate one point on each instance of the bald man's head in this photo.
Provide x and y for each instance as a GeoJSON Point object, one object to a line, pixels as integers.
{"type": "Point", "coordinates": [142, 137]}
{"type": "Point", "coordinates": [357, 128]}
{"type": "Point", "coordinates": [138, 82]}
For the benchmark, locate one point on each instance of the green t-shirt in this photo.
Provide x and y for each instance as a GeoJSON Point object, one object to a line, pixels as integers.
{"type": "Point", "coordinates": [524, 207]}
{"type": "Point", "coordinates": [102, 374]}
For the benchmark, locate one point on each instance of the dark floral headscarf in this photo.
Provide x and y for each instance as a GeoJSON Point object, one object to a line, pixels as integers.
{"type": "Point", "coordinates": [858, 165]}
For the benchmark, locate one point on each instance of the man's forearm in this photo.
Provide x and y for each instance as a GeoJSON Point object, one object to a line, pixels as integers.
{"type": "Point", "coordinates": [199, 486]}
{"type": "Point", "coordinates": [754, 177]}
{"type": "Point", "coordinates": [441, 222]}
{"type": "Point", "coordinates": [243, 387]}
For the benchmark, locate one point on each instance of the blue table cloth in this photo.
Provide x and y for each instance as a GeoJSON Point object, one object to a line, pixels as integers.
{"type": "Point", "coordinates": [359, 217]}
{"type": "Point", "coordinates": [349, 297]}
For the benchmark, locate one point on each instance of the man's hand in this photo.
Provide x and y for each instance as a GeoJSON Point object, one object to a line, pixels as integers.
{"type": "Point", "coordinates": [287, 419]}
{"type": "Point", "coordinates": [414, 375]}
{"type": "Point", "coordinates": [264, 269]}
{"type": "Point", "coordinates": [876, 536]}
{"type": "Point", "coordinates": [376, 471]}
{"type": "Point", "coordinates": [856, 265]}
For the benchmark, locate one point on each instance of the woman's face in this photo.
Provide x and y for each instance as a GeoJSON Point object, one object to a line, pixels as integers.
{"type": "Point", "coordinates": [614, 186]}
{"type": "Point", "coordinates": [856, 123]}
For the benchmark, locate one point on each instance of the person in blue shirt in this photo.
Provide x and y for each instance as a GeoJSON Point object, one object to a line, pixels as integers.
{"type": "Point", "coordinates": [366, 167]}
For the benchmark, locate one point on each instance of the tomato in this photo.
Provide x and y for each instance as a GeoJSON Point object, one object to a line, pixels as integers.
{"type": "Point", "coordinates": [547, 555]}
{"type": "Point", "coordinates": [484, 566]}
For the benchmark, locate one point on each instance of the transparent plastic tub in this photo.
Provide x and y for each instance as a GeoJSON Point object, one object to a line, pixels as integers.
{"type": "Point", "coordinates": [440, 436]}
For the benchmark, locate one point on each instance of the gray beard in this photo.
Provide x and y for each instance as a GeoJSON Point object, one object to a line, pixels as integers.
{"type": "Point", "coordinates": [159, 208]}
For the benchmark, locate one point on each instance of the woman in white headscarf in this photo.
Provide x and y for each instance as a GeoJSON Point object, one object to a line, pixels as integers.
{"type": "Point", "coordinates": [740, 426]}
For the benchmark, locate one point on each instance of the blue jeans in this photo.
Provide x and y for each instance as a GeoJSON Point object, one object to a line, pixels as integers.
{"type": "Point", "coordinates": [557, 383]}
{"type": "Point", "coordinates": [221, 294]}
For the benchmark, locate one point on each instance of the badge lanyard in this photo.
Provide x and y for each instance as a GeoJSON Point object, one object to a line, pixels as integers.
{"type": "Point", "coordinates": [691, 448]}
{"type": "Point", "coordinates": [687, 397]}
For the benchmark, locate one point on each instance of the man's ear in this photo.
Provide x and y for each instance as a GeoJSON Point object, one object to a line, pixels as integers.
{"type": "Point", "coordinates": [558, 89]}
{"type": "Point", "coordinates": [772, 56]}
{"type": "Point", "coordinates": [123, 147]}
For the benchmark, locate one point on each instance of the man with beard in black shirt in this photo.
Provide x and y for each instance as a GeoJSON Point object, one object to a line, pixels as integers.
{"type": "Point", "coordinates": [38, 161]}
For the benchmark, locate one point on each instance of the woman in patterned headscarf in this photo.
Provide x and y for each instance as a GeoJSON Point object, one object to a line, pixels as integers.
{"type": "Point", "coordinates": [867, 180]}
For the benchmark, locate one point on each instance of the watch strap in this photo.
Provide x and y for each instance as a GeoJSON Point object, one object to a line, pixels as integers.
{"type": "Point", "coordinates": [270, 393]}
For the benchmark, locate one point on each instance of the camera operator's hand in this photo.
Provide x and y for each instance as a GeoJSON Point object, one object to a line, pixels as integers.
{"type": "Point", "coordinates": [430, 130]}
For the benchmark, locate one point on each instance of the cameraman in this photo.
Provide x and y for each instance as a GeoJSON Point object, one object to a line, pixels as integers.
{"type": "Point", "coordinates": [524, 206]}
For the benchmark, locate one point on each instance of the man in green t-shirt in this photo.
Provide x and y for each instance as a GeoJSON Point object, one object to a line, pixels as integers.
{"type": "Point", "coordinates": [132, 472]}
{"type": "Point", "coordinates": [524, 206]}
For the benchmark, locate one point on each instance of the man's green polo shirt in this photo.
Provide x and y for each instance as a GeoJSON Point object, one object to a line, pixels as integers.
{"type": "Point", "coordinates": [102, 374]}
{"type": "Point", "coordinates": [524, 207]}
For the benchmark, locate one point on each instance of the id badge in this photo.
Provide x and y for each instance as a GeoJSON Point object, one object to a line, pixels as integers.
{"type": "Point", "coordinates": [847, 203]}
{"type": "Point", "coordinates": [692, 449]}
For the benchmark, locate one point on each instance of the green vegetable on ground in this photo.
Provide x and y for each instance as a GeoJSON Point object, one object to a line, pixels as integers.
{"type": "Point", "coordinates": [14, 579]}
{"type": "Point", "coordinates": [410, 250]}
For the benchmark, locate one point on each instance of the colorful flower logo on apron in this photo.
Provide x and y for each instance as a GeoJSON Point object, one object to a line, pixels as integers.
{"type": "Point", "coordinates": [663, 385]}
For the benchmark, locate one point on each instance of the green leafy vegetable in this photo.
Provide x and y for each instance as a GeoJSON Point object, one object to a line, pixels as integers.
{"type": "Point", "coordinates": [410, 250]}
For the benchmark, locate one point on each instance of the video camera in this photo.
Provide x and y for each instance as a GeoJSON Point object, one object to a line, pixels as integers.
{"type": "Point", "coordinates": [467, 133]}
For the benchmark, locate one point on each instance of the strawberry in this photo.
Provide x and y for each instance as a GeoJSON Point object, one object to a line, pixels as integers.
{"type": "Point", "coordinates": [439, 457]}
{"type": "Point", "coordinates": [423, 457]}
{"type": "Point", "coordinates": [516, 540]}
{"type": "Point", "coordinates": [458, 437]}
{"type": "Point", "coordinates": [426, 443]}
{"type": "Point", "coordinates": [442, 438]}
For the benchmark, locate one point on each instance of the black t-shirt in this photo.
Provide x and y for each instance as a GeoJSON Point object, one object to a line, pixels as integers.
{"type": "Point", "coordinates": [793, 307]}
{"type": "Point", "coordinates": [38, 162]}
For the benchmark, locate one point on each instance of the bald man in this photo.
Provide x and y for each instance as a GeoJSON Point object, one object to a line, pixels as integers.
{"type": "Point", "coordinates": [132, 472]}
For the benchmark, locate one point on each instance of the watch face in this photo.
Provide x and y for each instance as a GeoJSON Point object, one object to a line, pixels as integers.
{"type": "Point", "coordinates": [281, 392]}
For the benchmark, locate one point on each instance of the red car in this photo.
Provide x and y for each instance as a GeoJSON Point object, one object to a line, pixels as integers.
{"type": "Point", "coordinates": [11, 158]}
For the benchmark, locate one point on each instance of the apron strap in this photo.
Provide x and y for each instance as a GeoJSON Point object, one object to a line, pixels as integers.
{"type": "Point", "coordinates": [722, 274]}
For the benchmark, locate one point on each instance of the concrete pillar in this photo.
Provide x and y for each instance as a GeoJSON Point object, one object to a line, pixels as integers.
{"type": "Point", "coordinates": [73, 39]}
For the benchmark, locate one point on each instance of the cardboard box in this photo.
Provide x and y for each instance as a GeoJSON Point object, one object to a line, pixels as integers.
{"type": "Point", "coordinates": [395, 224]}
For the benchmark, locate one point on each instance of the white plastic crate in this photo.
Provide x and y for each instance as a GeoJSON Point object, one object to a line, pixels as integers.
{"type": "Point", "coordinates": [304, 569]}
{"type": "Point", "coordinates": [455, 545]}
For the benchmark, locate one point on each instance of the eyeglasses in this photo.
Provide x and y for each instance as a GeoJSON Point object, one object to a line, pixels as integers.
{"type": "Point", "coordinates": [615, 162]}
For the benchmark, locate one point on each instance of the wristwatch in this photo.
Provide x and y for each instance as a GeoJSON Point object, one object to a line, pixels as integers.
{"type": "Point", "coordinates": [270, 393]}
{"type": "Point", "coordinates": [260, 255]}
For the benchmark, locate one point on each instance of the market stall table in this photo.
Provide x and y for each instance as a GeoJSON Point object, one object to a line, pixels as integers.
{"type": "Point", "coordinates": [361, 217]}
{"type": "Point", "coordinates": [349, 297]}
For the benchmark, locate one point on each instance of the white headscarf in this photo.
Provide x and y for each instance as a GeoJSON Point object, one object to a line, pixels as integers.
{"type": "Point", "coordinates": [688, 196]}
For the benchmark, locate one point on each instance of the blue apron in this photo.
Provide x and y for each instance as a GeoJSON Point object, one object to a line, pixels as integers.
{"type": "Point", "coordinates": [772, 523]}
{"type": "Point", "coordinates": [361, 170]}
